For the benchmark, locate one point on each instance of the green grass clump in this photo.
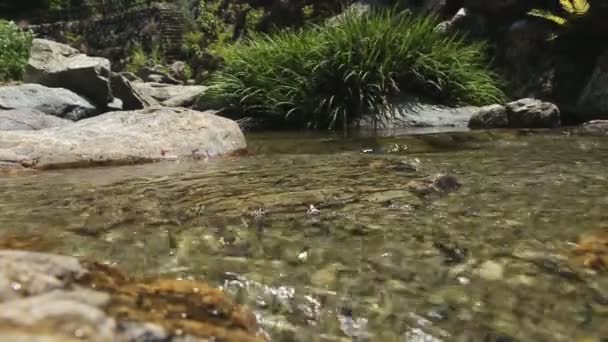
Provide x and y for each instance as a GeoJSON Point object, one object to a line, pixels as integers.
{"type": "Point", "coordinates": [139, 58]}
{"type": "Point", "coordinates": [15, 45]}
{"type": "Point", "coordinates": [328, 75]}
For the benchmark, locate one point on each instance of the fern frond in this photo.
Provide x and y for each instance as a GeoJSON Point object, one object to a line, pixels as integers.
{"type": "Point", "coordinates": [548, 16]}
{"type": "Point", "coordinates": [575, 7]}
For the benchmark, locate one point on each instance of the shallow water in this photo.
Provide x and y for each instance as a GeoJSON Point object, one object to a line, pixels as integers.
{"type": "Point", "coordinates": [488, 261]}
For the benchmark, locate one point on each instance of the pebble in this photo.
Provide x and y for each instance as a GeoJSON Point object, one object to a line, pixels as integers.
{"type": "Point", "coordinates": [491, 270]}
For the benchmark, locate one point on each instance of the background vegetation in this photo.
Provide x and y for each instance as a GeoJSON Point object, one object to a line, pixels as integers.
{"type": "Point", "coordinates": [15, 45]}
{"type": "Point", "coordinates": [329, 75]}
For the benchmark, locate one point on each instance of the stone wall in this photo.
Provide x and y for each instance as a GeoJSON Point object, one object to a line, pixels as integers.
{"type": "Point", "coordinates": [114, 36]}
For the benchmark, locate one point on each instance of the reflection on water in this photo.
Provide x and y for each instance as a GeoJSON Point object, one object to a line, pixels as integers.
{"type": "Point", "coordinates": [384, 261]}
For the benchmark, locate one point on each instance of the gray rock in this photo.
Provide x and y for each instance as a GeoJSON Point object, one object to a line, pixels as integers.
{"type": "Point", "coordinates": [60, 316]}
{"type": "Point", "coordinates": [28, 273]}
{"type": "Point", "coordinates": [131, 77]}
{"type": "Point", "coordinates": [163, 92]}
{"type": "Point", "coordinates": [416, 113]}
{"type": "Point", "coordinates": [492, 116]}
{"type": "Point", "coordinates": [187, 98]}
{"type": "Point", "coordinates": [132, 98]}
{"type": "Point", "coordinates": [28, 119]}
{"type": "Point", "coordinates": [147, 135]}
{"type": "Point", "coordinates": [595, 127]}
{"type": "Point", "coordinates": [54, 101]}
{"type": "Point", "coordinates": [156, 74]}
{"type": "Point", "coordinates": [523, 113]}
{"type": "Point", "coordinates": [472, 24]}
{"type": "Point", "coordinates": [532, 113]}
{"type": "Point", "coordinates": [57, 65]}
{"type": "Point", "coordinates": [180, 71]}
{"type": "Point", "coordinates": [593, 101]}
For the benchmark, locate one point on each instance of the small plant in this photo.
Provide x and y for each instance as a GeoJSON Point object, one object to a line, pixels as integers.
{"type": "Point", "coordinates": [330, 75]}
{"type": "Point", "coordinates": [15, 45]}
{"type": "Point", "coordinates": [139, 58]}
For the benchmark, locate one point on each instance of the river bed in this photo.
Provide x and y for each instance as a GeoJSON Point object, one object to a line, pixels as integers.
{"type": "Point", "coordinates": [393, 255]}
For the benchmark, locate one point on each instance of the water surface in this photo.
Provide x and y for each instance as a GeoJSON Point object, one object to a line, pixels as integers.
{"type": "Point", "coordinates": [488, 261]}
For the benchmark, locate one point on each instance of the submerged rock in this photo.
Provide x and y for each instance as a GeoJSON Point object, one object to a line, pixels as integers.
{"type": "Point", "coordinates": [147, 135]}
{"type": "Point", "coordinates": [46, 297]}
{"type": "Point", "coordinates": [595, 127]}
{"type": "Point", "coordinates": [438, 184]}
{"type": "Point", "coordinates": [28, 120]}
{"type": "Point", "coordinates": [54, 101]}
{"type": "Point", "coordinates": [58, 65]}
{"type": "Point", "coordinates": [592, 250]}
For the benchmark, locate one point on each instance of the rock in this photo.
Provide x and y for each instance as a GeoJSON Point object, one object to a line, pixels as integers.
{"type": "Point", "coordinates": [437, 184]}
{"type": "Point", "coordinates": [180, 71]}
{"type": "Point", "coordinates": [492, 116]}
{"type": "Point", "coordinates": [156, 75]}
{"type": "Point", "coordinates": [413, 112]}
{"type": "Point", "coordinates": [28, 273]}
{"type": "Point", "coordinates": [591, 250]}
{"type": "Point", "coordinates": [54, 101]}
{"type": "Point", "coordinates": [131, 77]}
{"type": "Point", "coordinates": [490, 270]}
{"type": "Point", "coordinates": [59, 299]}
{"type": "Point", "coordinates": [132, 98]}
{"type": "Point", "coordinates": [163, 92]}
{"type": "Point", "coordinates": [187, 99]}
{"type": "Point", "coordinates": [70, 313]}
{"type": "Point", "coordinates": [28, 120]}
{"type": "Point", "coordinates": [57, 65]}
{"type": "Point", "coordinates": [593, 101]}
{"type": "Point", "coordinates": [524, 113]}
{"type": "Point", "coordinates": [532, 113]}
{"type": "Point", "coordinates": [128, 137]}
{"type": "Point", "coordinates": [471, 24]}
{"type": "Point", "coordinates": [595, 127]}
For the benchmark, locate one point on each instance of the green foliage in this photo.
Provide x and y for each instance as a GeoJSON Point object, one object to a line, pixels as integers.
{"type": "Point", "coordinates": [333, 74]}
{"type": "Point", "coordinates": [139, 58]}
{"type": "Point", "coordinates": [15, 45]}
{"type": "Point", "coordinates": [572, 10]}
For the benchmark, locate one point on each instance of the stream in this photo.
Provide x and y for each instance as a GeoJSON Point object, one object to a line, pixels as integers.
{"type": "Point", "coordinates": [394, 254]}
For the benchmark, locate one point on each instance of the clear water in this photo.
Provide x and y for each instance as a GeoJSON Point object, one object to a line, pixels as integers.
{"type": "Point", "coordinates": [488, 261]}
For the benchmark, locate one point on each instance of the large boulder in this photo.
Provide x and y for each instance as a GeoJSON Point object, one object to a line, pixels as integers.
{"type": "Point", "coordinates": [593, 101]}
{"type": "Point", "coordinates": [152, 134]}
{"type": "Point", "coordinates": [52, 298]}
{"type": "Point", "coordinates": [132, 98]}
{"type": "Point", "coordinates": [523, 113]}
{"type": "Point", "coordinates": [57, 65]}
{"type": "Point", "coordinates": [28, 120]}
{"type": "Point", "coordinates": [54, 101]}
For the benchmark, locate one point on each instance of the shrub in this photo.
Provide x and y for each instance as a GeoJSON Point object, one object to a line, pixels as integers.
{"type": "Point", "coordinates": [15, 45]}
{"type": "Point", "coordinates": [331, 74]}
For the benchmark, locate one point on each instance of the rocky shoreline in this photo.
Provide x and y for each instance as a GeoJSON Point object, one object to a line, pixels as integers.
{"type": "Point", "coordinates": [45, 297]}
